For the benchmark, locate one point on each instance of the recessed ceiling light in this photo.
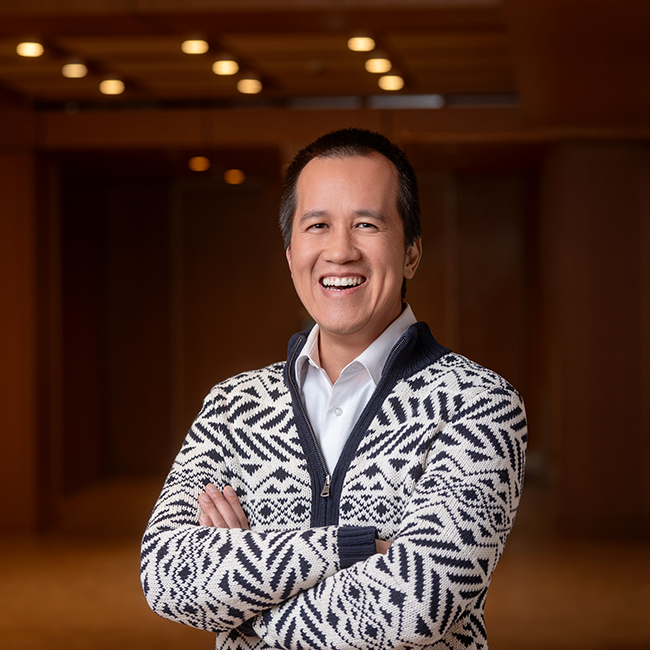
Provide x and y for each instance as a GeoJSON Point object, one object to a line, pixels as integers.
{"type": "Point", "coordinates": [30, 48]}
{"type": "Point", "coordinates": [225, 65]}
{"type": "Point", "coordinates": [249, 86]}
{"type": "Point", "coordinates": [378, 65]}
{"type": "Point", "coordinates": [111, 87]}
{"type": "Point", "coordinates": [234, 176]}
{"type": "Point", "coordinates": [361, 44]}
{"type": "Point", "coordinates": [74, 70]}
{"type": "Point", "coordinates": [199, 164]}
{"type": "Point", "coordinates": [391, 82]}
{"type": "Point", "coordinates": [195, 46]}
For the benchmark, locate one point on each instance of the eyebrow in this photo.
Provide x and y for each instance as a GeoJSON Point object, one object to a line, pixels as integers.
{"type": "Point", "coordinates": [312, 214]}
{"type": "Point", "coordinates": [315, 214]}
{"type": "Point", "coordinates": [375, 214]}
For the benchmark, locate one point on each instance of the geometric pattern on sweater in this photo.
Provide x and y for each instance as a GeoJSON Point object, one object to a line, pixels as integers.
{"type": "Point", "coordinates": [266, 469]}
{"type": "Point", "coordinates": [438, 470]}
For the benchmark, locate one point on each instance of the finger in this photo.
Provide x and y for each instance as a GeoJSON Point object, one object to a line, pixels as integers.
{"type": "Point", "coordinates": [224, 508]}
{"type": "Point", "coordinates": [210, 515]}
{"type": "Point", "coordinates": [204, 520]}
{"type": "Point", "coordinates": [382, 546]}
{"type": "Point", "coordinates": [232, 499]}
{"type": "Point", "coordinates": [210, 510]}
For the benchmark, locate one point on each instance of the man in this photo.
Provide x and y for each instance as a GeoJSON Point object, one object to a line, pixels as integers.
{"type": "Point", "coordinates": [360, 494]}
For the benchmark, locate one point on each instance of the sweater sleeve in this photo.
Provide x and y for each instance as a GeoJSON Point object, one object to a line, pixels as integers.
{"type": "Point", "coordinates": [437, 570]}
{"type": "Point", "coordinates": [215, 579]}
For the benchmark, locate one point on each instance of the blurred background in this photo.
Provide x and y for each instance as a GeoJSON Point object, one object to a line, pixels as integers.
{"type": "Point", "coordinates": [142, 147]}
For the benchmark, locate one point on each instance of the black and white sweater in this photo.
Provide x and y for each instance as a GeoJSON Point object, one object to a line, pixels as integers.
{"type": "Point", "coordinates": [435, 464]}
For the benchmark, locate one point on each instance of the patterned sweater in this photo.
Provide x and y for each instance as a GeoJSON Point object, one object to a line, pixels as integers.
{"type": "Point", "coordinates": [435, 464]}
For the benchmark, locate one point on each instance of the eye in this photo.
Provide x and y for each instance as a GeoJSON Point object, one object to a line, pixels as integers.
{"type": "Point", "coordinates": [317, 226]}
{"type": "Point", "coordinates": [365, 225]}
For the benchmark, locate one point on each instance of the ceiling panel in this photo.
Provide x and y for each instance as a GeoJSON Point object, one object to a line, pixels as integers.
{"type": "Point", "coordinates": [290, 44]}
{"type": "Point", "coordinates": [48, 89]}
{"type": "Point", "coordinates": [446, 41]}
{"type": "Point", "coordinates": [446, 81]}
{"type": "Point", "coordinates": [124, 46]}
{"type": "Point", "coordinates": [145, 67]}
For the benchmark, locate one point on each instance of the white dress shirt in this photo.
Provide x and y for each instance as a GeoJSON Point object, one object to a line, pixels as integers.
{"type": "Point", "coordinates": [333, 409]}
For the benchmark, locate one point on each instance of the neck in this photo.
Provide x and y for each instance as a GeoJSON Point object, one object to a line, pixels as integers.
{"type": "Point", "coordinates": [335, 353]}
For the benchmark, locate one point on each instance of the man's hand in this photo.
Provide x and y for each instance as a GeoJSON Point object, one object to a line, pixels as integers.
{"type": "Point", "coordinates": [221, 510]}
{"type": "Point", "coordinates": [382, 546]}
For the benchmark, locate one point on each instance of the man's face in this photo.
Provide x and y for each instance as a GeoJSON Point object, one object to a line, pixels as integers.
{"type": "Point", "coordinates": [347, 256]}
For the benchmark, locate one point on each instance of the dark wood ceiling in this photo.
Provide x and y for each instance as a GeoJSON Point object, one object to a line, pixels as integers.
{"type": "Point", "coordinates": [577, 62]}
{"type": "Point", "coordinates": [298, 49]}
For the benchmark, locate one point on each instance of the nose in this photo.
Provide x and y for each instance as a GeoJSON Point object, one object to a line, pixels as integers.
{"type": "Point", "coordinates": [341, 247]}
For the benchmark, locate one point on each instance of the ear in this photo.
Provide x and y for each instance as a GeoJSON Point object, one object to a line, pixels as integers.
{"type": "Point", "coordinates": [412, 259]}
{"type": "Point", "coordinates": [288, 254]}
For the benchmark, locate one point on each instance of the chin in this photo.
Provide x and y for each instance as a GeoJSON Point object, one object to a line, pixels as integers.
{"type": "Point", "coordinates": [343, 328]}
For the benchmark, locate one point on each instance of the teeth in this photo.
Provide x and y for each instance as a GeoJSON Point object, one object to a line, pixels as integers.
{"type": "Point", "coordinates": [342, 282]}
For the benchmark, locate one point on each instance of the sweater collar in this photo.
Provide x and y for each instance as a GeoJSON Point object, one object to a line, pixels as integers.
{"type": "Point", "coordinates": [373, 358]}
{"type": "Point", "coordinates": [416, 349]}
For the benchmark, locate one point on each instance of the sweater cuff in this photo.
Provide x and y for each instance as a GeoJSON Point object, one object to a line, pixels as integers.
{"type": "Point", "coordinates": [246, 628]}
{"type": "Point", "coordinates": [356, 543]}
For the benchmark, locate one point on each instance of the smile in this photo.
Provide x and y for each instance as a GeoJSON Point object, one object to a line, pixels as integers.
{"type": "Point", "coordinates": [340, 284]}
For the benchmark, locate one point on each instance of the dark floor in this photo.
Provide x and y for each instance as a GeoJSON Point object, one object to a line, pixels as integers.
{"type": "Point", "coordinates": [78, 588]}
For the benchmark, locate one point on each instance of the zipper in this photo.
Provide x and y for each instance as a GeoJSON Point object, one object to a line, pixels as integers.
{"type": "Point", "coordinates": [326, 487]}
{"type": "Point", "coordinates": [325, 492]}
{"type": "Point", "coordinates": [328, 479]}
{"type": "Point", "coordinates": [394, 351]}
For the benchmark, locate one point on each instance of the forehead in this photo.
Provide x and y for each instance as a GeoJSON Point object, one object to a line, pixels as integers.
{"type": "Point", "coordinates": [371, 178]}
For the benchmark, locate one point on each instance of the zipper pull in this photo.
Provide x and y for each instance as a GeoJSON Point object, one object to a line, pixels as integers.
{"type": "Point", "coordinates": [326, 487]}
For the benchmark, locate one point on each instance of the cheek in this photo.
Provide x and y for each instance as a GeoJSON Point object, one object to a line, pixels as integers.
{"type": "Point", "coordinates": [301, 261]}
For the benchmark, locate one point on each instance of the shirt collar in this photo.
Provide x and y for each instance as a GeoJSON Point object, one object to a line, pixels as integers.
{"type": "Point", "coordinates": [373, 358]}
{"type": "Point", "coordinates": [308, 355]}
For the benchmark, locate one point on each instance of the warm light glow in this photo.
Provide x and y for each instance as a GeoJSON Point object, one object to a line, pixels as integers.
{"type": "Point", "coordinates": [199, 164]}
{"type": "Point", "coordinates": [361, 44]}
{"type": "Point", "coordinates": [195, 46]}
{"type": "Point", "coordinates": [225, 67]}
{"type": "Point", "coordinates": [74, 70]}
{"type": "Point", "coordinates": [234, 177]}
{"type": "Point", "coordinates": [391, 82]}
{"type": "Point", "coordinates": [111, 87]}
{"type": "Point", "coordinates": [378, 65]}
{"type": "Point", "coordinates": [29, 48]}
{"type": "Point", "coordinates": [249, 86]}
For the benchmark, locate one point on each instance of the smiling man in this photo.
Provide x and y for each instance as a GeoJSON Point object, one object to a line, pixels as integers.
{"type": "Point", "coordinates": [347, 254]}
{"type": "Point", "coordinates": [358, 495]}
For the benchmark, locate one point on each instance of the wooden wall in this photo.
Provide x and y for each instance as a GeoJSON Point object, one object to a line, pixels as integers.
{"type": "Point", "coordinates": [20, 464]}
{"type": "Point", "coordinates": [131, 289]}
{"type": "Point", "coordinates": [595, 248]}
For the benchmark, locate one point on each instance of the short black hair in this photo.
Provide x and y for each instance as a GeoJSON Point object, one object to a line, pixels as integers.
{"type": "Point", "coordinates": [355, 142]}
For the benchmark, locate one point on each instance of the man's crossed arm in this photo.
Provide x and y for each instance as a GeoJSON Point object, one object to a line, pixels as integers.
{"type": "Point", "coordinates": [223, 510]}
{"type": "Point", "coordinates": [287, 586]}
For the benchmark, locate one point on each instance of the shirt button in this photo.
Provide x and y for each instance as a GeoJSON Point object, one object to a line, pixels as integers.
{"type": "Point", "coordinates": [338, 411]}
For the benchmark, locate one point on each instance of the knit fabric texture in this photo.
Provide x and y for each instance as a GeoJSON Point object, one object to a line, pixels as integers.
{"type": "Point", "coordinates": [435, 464]}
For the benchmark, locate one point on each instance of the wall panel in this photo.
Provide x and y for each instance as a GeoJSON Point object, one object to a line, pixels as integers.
{"type": "Point", "coordinates": [19, 482]}
{"type": "Point", "coordinates": [595, 279]}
